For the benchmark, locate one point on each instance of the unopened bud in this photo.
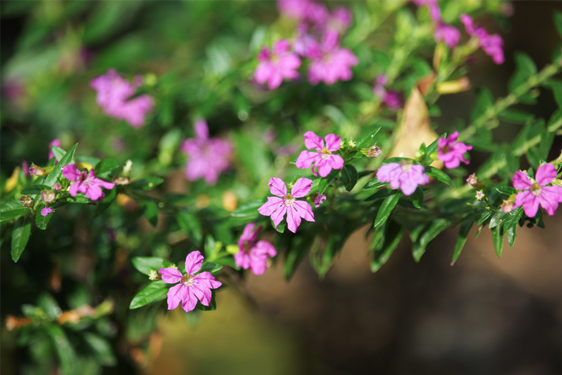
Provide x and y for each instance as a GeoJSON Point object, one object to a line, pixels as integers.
{"type": "Point", "coordinates": [34, 170]}
{"type": "Point", "coordinates": [351, 143]}
{"type": "Point", "coordinates": [232, 249]}
{"type": "Point", "coordinates": [452, 87]}
{"type": "Point", "coordinates": [26, 200]}
{"type": "Point", "coordinates": [434, 156]}
{"type": "Point", "coordinates": [374, 152]}
{"type": "Point", "coordinates": [472, 180]}
{"type": "Point", "coordinates": [480, 195]}
{"type": "Point", "coordinates": [121, 180]}
{"type": "Point", "coordinates": [419, 155]}
{"type": "Point", "coordinates": [154, 276]}
{"type": "Point", "coordinates": [507, 206]}
{"type": "Point", "coordinates": [48, 196]}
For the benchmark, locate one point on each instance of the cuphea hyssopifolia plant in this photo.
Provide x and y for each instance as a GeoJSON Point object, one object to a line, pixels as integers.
{"type": "Point", "coordinates": [345, 155]}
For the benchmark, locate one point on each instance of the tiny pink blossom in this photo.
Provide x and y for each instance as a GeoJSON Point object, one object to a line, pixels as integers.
{"type": "Point", "coordinates": [451, 152]}
{"type": "Point", "coordinates": [492, 45]}
{"type": "Point", "coordinates": [192, 286]}
{"type": "Point", "coordinates": [323, 159]}
{"type": "Point", "coordinates": [287, 203]}
{"type": "Point", "coordinates": [253, 254]}
{"type": "Point", "coordinates": [85, 182]}
{"type": "Point", "coordinates": [403, 175]}
{"type": "Point", "coordinates": [332, 63]}
{"type": "Point", "coordinates": [55, 142]}
{"type": "Point", "coordinates": [208, 157]}
{"type": "Point", "coordinates": [535, 193]}
{"type": "Point", "coordinates": [113, 93]}
{"type": "Point", "coordinates": [25, 168]}
{"type": "Point", "coordinates": [46, 210]}
{"type": "Point", "coordinates": [390, 99]}
{"type": "Point", "coordinates": [276, 66]}
{"type": "Point", "coordinates": [340, 19]}
{"type": "Point", "coordinates": [319, 200]}
{"type": "Point", "coordinates": [57, 187]}
{"type": "Point", "coordinates": [448, 34]}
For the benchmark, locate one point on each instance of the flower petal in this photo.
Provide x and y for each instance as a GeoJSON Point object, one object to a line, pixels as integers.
{"type": "Point", "coordinates": [333, 142]}
{"type": "Point", "coordinates": [301, 188]}
{"type": "Point", "coordinates": [278, 215]}
{"type": "Point", "coordinates": [304, 210]}
{"type": "Point", "coordinates": [170, 275]}
{"type": "Point", "coordinates": [521, 181]}
{"type": "Point", "coordinates": [189, 300]}
{"type": "Point", "coordinates": [306, 158]}
{"type": "Point", "coordinates": [269, 207]}
{"type": "Point", "coordinates": [175, 295]}
{"type": "Point", "coordinates": [546, 173]}
{"type": "Point", "coordinates": [312, 141]}
{"type": "Point", "coordinates": [208, 280]}
{"type": "Point", "coordinates": [293, 219]}
{"type": "Point", "coordinates": [201, 129]}
{"type": "Point", "coordinates": [70, 172]}
{"type": "Point", "coordinates": [203, 294]}
{"type": "Point", "coordinates": [193, 262]}
{"type": "Point", "coordinates": [277, 187]}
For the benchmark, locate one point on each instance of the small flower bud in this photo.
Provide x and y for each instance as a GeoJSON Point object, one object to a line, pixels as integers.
{"type": "Point", "coordinates": [154, 276]}
{"type": "Point", "coordinates": [351, 144]}
{"type": "Point", "coordinates": [472, 180]}
{"type": "Point", "coordinates": [434, 156]}
{"type": "Point", "coordinates": [150, 79]}
{"type": "Point", "coordinates": [558, 160]}
{"type": "Point", "coordinates": [507, 206]}
{"type": "Point", "coordinates": [26, 200]}
{"type": "Point", "coordinates": [48, 196]}
{"type": "Point", "coordinates": [374, 152]}
{"type": "Point", "coordinates": [121, 180]}
{"type": "Point", "coordinates": [480, 195]}
{"type": "Point", "coordinates": [34, 170]}
{"type": "Point", "coordinates": [127, 168]}
{"type": "Point", "coordinates": [232, 249]}
{"type": "Point", "coordinates": [419, 155]}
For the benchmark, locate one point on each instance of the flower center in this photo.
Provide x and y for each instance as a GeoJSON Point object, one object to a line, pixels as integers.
{"type": "Point", "coordinates": [288, 200]}
{"type": "Point", "coordinates": [406, 166]}
{"type": "Point", "coordinates": [187, 280]}
{"type": "Point", "coordinates": [444, 149]}
{"type": "Point", "coordinates": [274, 58]}
{"type": "Point", "coordinates": [536, 189]}
{"type": "Point", "coordinates": [325, 154]}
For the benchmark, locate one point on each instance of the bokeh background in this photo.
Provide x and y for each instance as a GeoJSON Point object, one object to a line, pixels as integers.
{"type": "Point", "coordinates": [482, 316]}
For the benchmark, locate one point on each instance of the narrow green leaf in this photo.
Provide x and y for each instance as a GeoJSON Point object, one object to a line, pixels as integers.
{"type": "Point", "coordinates": [438, 175]}
{"type": "Point", "coordinates": [189, 223]}
{"type": "Point", "coordinates": [11, 209]}
{"type": "Point", "coordinates": [461, 239]}
{"type": "Point", "coordinates": [146, 183]}
{"type": "Point", "coordinates": [513, 218]}
{"type": "Point", "coordinates": [105, 166]}
{"type": "Point", "coordinates": [249, 208]}
{"type": "Point", "coordinates": [155, 291]}
{"type": "Point", "coordinates": [34, 189]}
{"type": "Point", "coordinates": [103, 353]}
{"type": "Point", "coordinates": [511, 234]}
{"type": "Point", "coordinates": [349, 176]}
{"type": "Point", "coordinates": [556, 87]}
{"type": "Point", "coordinates": [374, 184]}
{"type": "Point", "coordinates": [428, 235]}
{"type": "Point", "coordinates": [147, 264]}
{"type": "Point", "coordinates": [58, 152]}
{"type": "Point", "coordinates": [497, 238]}
{"type": "Point", "coordinates": [515, 116]}
{"type": "Point", "coordinates": [386, 208]}
{"type": "Point", "coordinates": [211, 267]}
{"type": "Point", "coordinates": [506, 190]}
{"type": "Point", "coordinates": [150, 211]}
{"type": "Point", "coordinates": [558, 22]}
{"type": "Point", "coordinates": [368, 139]}
{"type": "Point", "coordinates": [67, 159]}
{"type": "Point", "coordinates": [65, 351]}
{"type": "Point", "coordinates": [485, 216]}
{"type": "Point", "coordinates": [497, 219]}
{"type": "Point", "coordinates": [386, 246]}
{"type": "Point", "coordinates": [20, 237]}
{"type": "Point", "coordinates": [417, 197]}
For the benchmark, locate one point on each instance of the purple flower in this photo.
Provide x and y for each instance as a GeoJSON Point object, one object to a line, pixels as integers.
{"type": "Point", "coordinates": [332, 63]}
{"type": "Point", "coordinates": [451, 152]}
{"type": "Point", "coordinates": [491, 44]}
{"type": "Point", "coordinates": [55, 142]}
{"type": "Point", "coordinates": [46, 210]}
{"type": "Point", "coordinates": [319, 200]}
{"type": "Point", "coordinates": [535, 193]}
{"type": "Point", "coordinates": [295, 9]}
{"type": "Point", "coordinates": [25, 168]}
{"type": "Point", "coordinates": [305, 44]}
{"type": "Point", "coordinates": [448, 34]}
{"type": "Point", "coordinates": [390, 99]}
{"type": "Point", "coordinates": [85, 182]}
{"type": "Point", "coordinates": [253, 254]}
{"type": "Point", "coordinates": [112, 96]}
{"type": "Point", "coordinates": [191, 287]}
{"type": "Point", "coordinates": [276, 66]}
{"type": "Point", "coordinates": [208, 157]}
{"type": "Point", "coordinates": [340, 19]}
{"type": "Point", "coordinates": [403, 175]}
{"type": "Point", "coordinates": [322, 158]}
{"type": "Point", "coordinates": [287, 203]}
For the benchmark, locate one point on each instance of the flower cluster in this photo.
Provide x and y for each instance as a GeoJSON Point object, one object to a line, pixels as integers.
{"type": "Point", "coordinates": [208, 157]}
{"type": "Point", "coordinates": [323, 159]}
{"type": "Point", "coordinates": [85, 182]}
{"type": "Point", "coordinates": [451, 152]}
{"type": "Point", "coordinates": [491, 44]}
{"type": "Point", "coordinates": [443, 32]}
{"type": "Point", "coordinates": [114, 97]}
{"type": "Point", "coordinates": [253, 254]}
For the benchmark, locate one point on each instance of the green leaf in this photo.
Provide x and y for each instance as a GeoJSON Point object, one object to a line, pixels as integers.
{"type": "Point", "coordinates": [105, 166]}
{"type": "Point", "coordinates": [40, 220]}
{"type": "Point", "coordinates": [103, 353]}
{"type": "Point", "coordinates": [511, 234]}
{"type": "Point", "coordinates": [20, 237]}
{"type": "Point", "coordinates": [438, 175]}
{"type": "Point", "coordinates": [147, 264]}
{"type": "Point", "coordinates": [513, 218]}
{"type": "Point", "coordinates": [189, 223]}
{"type": "Point", "coordinates": [558, 22]}
{"type": "Point", "coordinates": [461, 239]}
{"type": "Point", "coordinates": [515, 116]}
{"type": "Point", "coordinates": [11, 209]}
{"type": "Point", "coordinates": [367, 139]}
{"type": "Point", "coordinates": [417, 197]}
{"type": "Point", "coordinates": [497, 239]}
{"type": "Point", "coordinates": [386, 245]}
{"type": "Point", "coordinates": [281, 227]}
{"type": "Point", "coordinates": [485, 216]}
{"type": "Point", "coordinates": [146, 183]}
{"type": "Point", "coordinates": [484, 100]}
{"type": "Point", "coordinates": [58, 152]}
{"type": "Point", "coordinates": [150, 211]}
{"type": "Point", "coordinates": [506, 190]}
{"type": "Point", "coordinates": [155, 291]}
{"type": "Point", "coordinates": [386, 208]}
{"type": "Point", "coordinates": [64, 349]}
{"type": "Point", "coordinates": [34, 189]}
{"type": "Point", "coordinates": [48, 304]}
{"type": "Point", "coordinates": [247, 211]}
{"type": "Point", "coordinates": [349, 176]}
{"type": "Point", "coordinates": [210, 267]}
{"type": "Point", "coordinates": [428, 235]}
{"type": "Point", "coordinates": [253, 154]}
{"type": "Point", "coordinates": [374, 184]}
{"type": "Point", "coordinates": [107, 201]}
{"type": "Point", "coordinates": [556, 87]}
{"type": "Point", "coordinates": [67, 159]}
{"type": "Point", "coordinates": [497, 219]}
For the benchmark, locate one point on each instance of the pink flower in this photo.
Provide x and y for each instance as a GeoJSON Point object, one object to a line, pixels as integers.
{"type": "Point", "coordinates": [25, 168]}
{"type": "Point", "coordinates": [319, 200]}
{"type": "Point", "coordinates": [208, 157]}
{"type": "Point", "coordinates": [57, 187]}
{"type": "Point", "coordinates": [403, 175]}
{"type": "Point", "coordinates": [340, 19]}
{"type": "Point", "coordinates": [46, 210]}
{"type": "Point", "coordinates": [305, 44]}
{"type": "Point", "coordinates": [491, 44]}
{"type": "Point", "coordinates": [295, 9]}
{"type": "Point", "coordinates": [55, 142]}
{"type": "Point", "coordinates": [287, 203]}
{"type": "Point", "coordinates": [253, 254]}
{"type": "Point", "coordinates": [85, 182]}
{"type": "Point", "coordinates": [322, 158]}
{"type": "Point", "coordinates": [276, 66]}
{"type": "Point", "coordinates": [389, 98]}
{"type": "Point", "coordinates": [535, 193]}
{"type": "Point", "coordinates": [191, 287]}
{"type": "Point", "coordinates": [451, 152]}
{"type": "Point", "coordinates": [448, 34]}
{"type": "Point", "coordinates": [332, 63]}
{"type": "Point", "coordinates": [112, 96]}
